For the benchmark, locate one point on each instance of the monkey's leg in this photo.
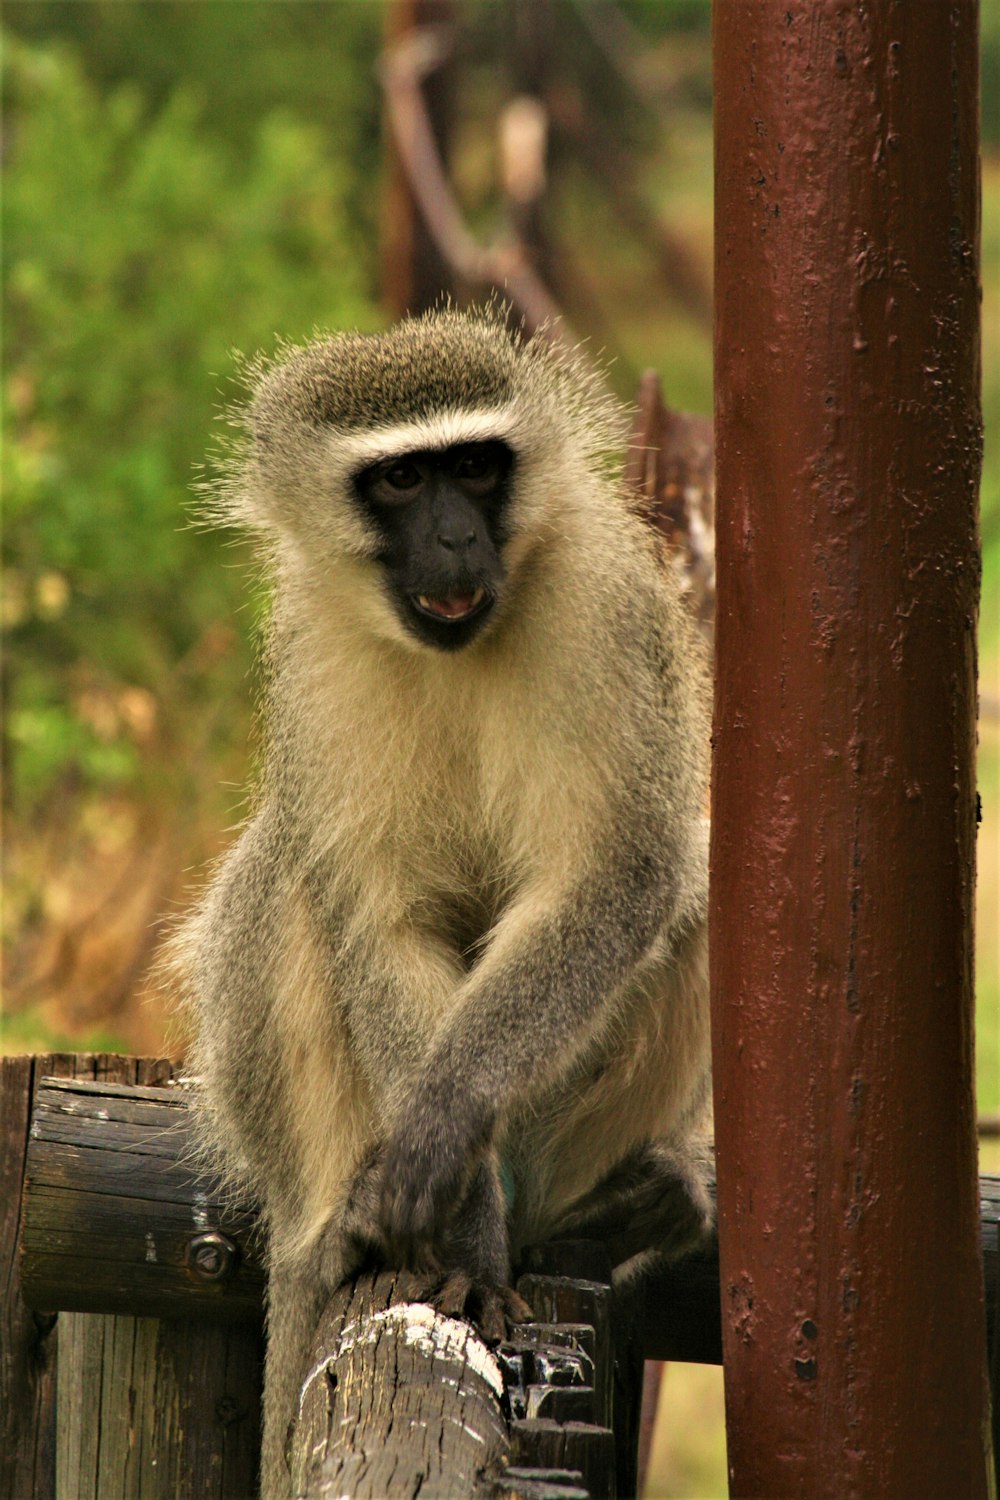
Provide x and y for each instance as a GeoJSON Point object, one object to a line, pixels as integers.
{"type": "Point", "coordinates": [656, 1198]}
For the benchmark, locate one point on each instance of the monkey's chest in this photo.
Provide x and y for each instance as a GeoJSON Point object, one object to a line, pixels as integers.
{"type": "Point", "coordinates": [451, 870]}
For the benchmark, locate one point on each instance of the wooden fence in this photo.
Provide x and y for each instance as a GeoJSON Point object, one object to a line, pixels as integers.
{"type": "Point", "coordinates": [141, 1288]}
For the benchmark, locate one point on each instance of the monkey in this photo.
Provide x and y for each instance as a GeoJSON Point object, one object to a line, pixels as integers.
{"type": "Point", "coordinates": [449, 983]}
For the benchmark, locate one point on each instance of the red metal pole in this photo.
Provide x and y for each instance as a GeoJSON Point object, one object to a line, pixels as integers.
{"type": "Point", "coordinates": [848, 431]}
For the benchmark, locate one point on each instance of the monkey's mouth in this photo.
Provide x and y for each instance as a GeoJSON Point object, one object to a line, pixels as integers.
{"type": "Point", "coordinates": [453, 607]}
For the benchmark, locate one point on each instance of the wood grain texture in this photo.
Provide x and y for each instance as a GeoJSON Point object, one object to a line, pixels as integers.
{"type": "Point", "coordinates": [157, 1410]}
{"type": "Point", "coordinates": [397, 1401]}
{"type": "Point", "coordinates": [29, 1337]}
{"type": "Point", "coordinates": [27, 1343]}
{"type": "Point", "coordinates": [114, 1205]}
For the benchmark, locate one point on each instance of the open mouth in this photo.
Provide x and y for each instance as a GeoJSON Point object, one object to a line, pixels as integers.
{"type": "Point", "coordinates": [453, 607]}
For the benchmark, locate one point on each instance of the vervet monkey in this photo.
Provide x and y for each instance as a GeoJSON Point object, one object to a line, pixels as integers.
{"type": "Point", "coordinates": [450, 981]}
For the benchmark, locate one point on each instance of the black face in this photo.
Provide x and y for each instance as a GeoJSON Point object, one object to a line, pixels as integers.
{"type": "Point", "coordinates": [441, 514]}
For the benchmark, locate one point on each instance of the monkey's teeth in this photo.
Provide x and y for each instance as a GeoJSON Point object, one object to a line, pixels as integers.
{"type": "Point", "coordinates": [456, 607]}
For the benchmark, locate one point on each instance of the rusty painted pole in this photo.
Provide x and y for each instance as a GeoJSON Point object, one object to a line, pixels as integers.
{"type": "Point", "coordinates": [848, 431]}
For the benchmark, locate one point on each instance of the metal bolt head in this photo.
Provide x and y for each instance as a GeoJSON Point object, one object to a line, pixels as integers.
{"type": "Point", "coordinates": [211, 1255]}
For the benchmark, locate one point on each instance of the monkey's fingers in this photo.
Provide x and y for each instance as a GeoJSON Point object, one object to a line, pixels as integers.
{"type": "Point", "coordinates": [492, 1306]}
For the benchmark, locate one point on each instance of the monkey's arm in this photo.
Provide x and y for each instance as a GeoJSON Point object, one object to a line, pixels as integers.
{"type": "Point", "coordinates": [536, 998]}
{"type": "Point", "coordinates": [393, 988]}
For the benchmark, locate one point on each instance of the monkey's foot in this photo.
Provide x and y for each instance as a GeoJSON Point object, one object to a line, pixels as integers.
{"type": "Point", "coordinates": [491, 1305]}
{"type": "Point", "coordinates": [656, 1198]}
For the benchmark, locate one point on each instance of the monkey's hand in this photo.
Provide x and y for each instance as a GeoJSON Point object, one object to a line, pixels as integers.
{"type": "Point", "coordinates": [491, 1305]}
{"type": "Point", "coordinates": [439, 1139]}
{"type": "Point", "coordinates": [476, 1279]}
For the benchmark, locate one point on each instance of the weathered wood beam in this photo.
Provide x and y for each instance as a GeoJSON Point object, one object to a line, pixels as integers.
{"type": "Point", "coordinates": [118, 1215]}
{"type": "Point", "coordinates": [116, 1218]}
{"type": "Point", "coordinates": [398, 1400]}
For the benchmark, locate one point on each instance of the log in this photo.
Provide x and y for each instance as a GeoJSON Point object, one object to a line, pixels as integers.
{"type": "Point", "coordinates": [398, 1400]}
{"type": "Point", "coordinates": [119, 1218]}
{"type": "Point", "coordinates": [104, 1182]}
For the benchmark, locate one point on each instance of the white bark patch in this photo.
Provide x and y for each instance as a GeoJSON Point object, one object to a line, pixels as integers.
{"type": "Point", "coordinates": [432, 1334]}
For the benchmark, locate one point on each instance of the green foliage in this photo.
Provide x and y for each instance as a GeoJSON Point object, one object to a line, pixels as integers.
{"type": "Point", "coordinates": [989, 55]}
{"type": "Point", "coordinates": [140, 248]}
{"type": "Point", "coordinates": [28, 1031]}
{"type": "Point", "coordinates": [239, 59]}
{"type": "Point", "coordinates": [990, 492]}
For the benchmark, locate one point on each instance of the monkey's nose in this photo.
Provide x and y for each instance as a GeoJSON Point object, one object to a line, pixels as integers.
{"type": "Point", "coordinates": [456, 543]}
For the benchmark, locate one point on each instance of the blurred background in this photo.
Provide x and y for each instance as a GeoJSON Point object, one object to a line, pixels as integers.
{"type": "Point", "coordinates": [189, 178]}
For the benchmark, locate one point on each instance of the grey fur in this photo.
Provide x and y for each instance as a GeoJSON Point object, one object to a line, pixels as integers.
{"type": "Point", "coordinates": [467, 919]}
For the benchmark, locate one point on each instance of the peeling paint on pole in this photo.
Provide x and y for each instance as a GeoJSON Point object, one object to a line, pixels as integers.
{"type": "Point", "coordinates": [849, 444]}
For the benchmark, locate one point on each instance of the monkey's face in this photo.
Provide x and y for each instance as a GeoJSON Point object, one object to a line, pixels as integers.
{"type": "Point", "coordinates": [441, 515]}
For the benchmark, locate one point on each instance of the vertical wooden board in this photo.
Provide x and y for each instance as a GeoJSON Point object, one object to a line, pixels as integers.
{"type": "Point", "coordinates": [27, 1340]}
{"type": "Point", "coordinates": [156, 1410]}
{"type": "Point", "coordinates": [202, 1421]}
{"type": "Point", "coordinates": [83, 1417]}
{"type": "Point", "coordinates": [239, 1411]}
{"type": "Point", "coordinates": [81, 1345]}
{"type": "Point", "coordinates": [155, 1469]}
{"type": "Point", "coordinates": [118, 1404]}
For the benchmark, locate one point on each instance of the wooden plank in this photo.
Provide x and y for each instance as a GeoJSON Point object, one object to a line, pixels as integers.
{"type": "Point", "coordinates": [29, 1338]}
{"type": "Point", "coordinates": [575, 1445]}
{"type": "Point", "coordinates": [145, 1424]}
{"type": "Point", "coordinates": [616, 1317]}
{"type": "Point", "coordinates": [81, 1351]}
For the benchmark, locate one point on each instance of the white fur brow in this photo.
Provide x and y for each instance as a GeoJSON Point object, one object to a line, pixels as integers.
{"type": "Point", "coordinates": [443, 430]}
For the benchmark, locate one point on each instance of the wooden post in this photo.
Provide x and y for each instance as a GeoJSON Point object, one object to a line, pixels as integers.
{"type": "Point", "coordinates": [27, 1339]}
{"type": "Point", "coordinates": [843, 827]}
{"type": "Point", "coordinates": [398, 1400]}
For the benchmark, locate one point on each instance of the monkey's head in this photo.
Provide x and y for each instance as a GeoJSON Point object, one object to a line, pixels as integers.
{"type": "Point", "coordinates": [412, 473]}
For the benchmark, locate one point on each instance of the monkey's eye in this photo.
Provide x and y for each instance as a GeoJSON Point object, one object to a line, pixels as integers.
{"type": "Point", "coordinates": [478, 467]}
{"type": "Point", "coordinates": [473, 465]}
{"type": "Point", "coordinates": [401, 475]}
